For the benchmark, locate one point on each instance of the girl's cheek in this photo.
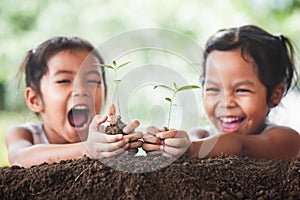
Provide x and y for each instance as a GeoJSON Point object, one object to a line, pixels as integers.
{"type": "Point", "coordinates": [209, 101]}
{"type": "Point", "coordinates": [208, 107]}
{"type": "Point", "coordinates": [98, 103]}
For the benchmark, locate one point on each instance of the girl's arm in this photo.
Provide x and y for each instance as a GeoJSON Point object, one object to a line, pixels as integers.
{"type": "Point", "coordinates": [22, 151]}
{"type": "Point", "coordinates": [274, 143]}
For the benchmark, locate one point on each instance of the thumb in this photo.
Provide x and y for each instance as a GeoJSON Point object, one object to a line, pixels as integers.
{"type": "Point", "coordinates": [95, 124]}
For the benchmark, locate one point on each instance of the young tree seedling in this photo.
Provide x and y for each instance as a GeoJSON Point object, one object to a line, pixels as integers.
{"type": "Point", "coordinates": [119, 124]}
{"type": "Point", "coordinates": [174, 90]}
{"type": "Point", "coordinates": [117, 81]}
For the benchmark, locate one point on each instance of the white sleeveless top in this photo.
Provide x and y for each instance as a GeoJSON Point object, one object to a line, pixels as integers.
{"type": "Point", "coordinates": [37, 131]}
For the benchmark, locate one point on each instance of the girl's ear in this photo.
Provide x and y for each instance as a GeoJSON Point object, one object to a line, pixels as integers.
{"type": "Point", "coordinates": [277, 95]}
{"type": "Point", "coordinates": [33, 101]}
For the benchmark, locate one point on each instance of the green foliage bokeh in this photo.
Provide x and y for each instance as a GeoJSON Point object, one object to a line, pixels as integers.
{"type": "Point", "coordinates": [25, 25]}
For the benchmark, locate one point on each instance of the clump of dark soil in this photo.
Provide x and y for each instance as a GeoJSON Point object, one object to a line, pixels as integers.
{"type": "Point", "coordinates": [115, 128]}
{"type": "Point", "coordinates": [224, 177]}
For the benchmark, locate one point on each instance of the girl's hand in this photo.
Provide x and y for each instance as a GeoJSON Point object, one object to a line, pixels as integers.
{"type": "Point", "coordinates": [175, 142]}
{"type": "Point", "coordinates": [152, 144]}
{"type": "Point", "coordinates": [100, 145]}
{"type": "Point", "coordinates": [168, 143]}
{"type": "Point", "coordinates": [133, 137]}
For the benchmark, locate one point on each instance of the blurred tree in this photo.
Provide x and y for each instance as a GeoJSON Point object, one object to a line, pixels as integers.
{"type": "Point", "coordinates": [24, 25]}
{"type": "Point", "coordinates": [2, 95]}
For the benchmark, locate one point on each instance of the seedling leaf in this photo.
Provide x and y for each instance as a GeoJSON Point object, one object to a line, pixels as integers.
{"type": "Point", "coordinates": [114, 63]}
{"type": "Point", "coordinates": [168, 99]}
{"type": "Point", "coordinates": [187, 87]}
{"type": "Point", "coordinates": [175, 86]}
{"type": "Point", "coordinates": [164, 86]}
{"type": "Point", "coordinates": [117, 81]}
{"type": "Point", "coordinates": [107, 66]}
{"type": "Point", "coordinates": [126, 63]}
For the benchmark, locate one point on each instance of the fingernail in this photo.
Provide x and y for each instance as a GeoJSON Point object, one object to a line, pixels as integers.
{"type": "Point", "coordinates": [136, 122]}
{"type": "Point", "coordinates": [126, 140]}
{"type": "Point", "coordinates": [158, 135]}
{"type": "Point", "coordinates": [161, 147]}
{"type": "Point", "coordinates": [100, 118]}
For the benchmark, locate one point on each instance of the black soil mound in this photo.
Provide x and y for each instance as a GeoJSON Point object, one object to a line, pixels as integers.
{"type": "Point", "coordinates": [224, 177]}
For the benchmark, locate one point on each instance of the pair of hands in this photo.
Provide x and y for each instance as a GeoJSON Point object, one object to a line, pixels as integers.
{"type": "Point", "coordinates": [169, 143]}
{"type": "Point", "coordinates": [102, 145]}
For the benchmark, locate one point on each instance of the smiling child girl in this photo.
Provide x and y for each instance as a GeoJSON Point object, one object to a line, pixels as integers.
{"type": "Point", "coordinates": [66, 88]}
{"type": "Point", "coordinates": [246, 73]}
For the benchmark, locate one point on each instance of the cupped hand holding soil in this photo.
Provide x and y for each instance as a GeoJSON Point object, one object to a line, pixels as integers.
{"type": "Point", "coordinates": [116, 126]}
{"type": "Point", "coordinates": [100, 145]}
{"type": "Point", "coordinates": [169, 143]}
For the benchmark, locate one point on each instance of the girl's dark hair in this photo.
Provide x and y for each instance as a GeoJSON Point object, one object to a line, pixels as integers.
{"type": "Point", "coordinates": [35, 62]}
{"type": "Point", "coordinates": [273, 55]}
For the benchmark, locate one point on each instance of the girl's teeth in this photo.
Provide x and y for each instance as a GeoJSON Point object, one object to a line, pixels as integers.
{"type": "Point", "coordinates": [80, 107]}
{"type": "Point", "coordinates": [229, 119]}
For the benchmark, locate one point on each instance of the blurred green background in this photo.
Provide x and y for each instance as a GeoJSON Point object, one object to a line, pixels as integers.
{"type": "Point", "coordinates": [25, 25]}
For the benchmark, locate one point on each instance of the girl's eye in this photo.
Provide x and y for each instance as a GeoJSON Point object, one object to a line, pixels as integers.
{"type": "Point", "coordinates": [96, 82]}
{"type": "Point", "coordinates": [242, 90]}
{"type": "Point", "coordinates": [212, 90]}
{"type": "Point", "coordinates": [63, 81]}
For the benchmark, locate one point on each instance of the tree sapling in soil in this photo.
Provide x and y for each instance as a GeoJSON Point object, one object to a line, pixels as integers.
{"type": "Point", "coordinates": [116, 125]}
{"type": "Point", "coordinates": [174, 90]}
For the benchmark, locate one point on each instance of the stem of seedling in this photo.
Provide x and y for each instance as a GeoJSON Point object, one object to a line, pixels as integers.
{"type": "Point", "coordinates": [174, 90]}
{"type": "Point", "coordinates": [117, 81]}
{"type": "Point", "coordinates": [170, 109]}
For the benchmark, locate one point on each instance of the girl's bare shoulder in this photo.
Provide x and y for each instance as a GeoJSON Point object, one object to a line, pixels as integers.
{"type": "Point", "coordinates": [18, 132]}
{"type": "Point", "coordinates": [273, 128]}
{"type": "Point", "coordinates": [281, 132]}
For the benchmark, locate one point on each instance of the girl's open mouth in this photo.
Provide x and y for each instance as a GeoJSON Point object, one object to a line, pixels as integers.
{"type": "Point", "coordinates": [231, 124]}
{"type": "Point", "coordinates": [78, 116]}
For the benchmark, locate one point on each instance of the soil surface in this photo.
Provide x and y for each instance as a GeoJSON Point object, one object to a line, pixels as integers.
{"type": "Point", "coordinates": [116, 128]}
{"type": "Point", "coordinates": [113, 129]}
{"type": "Point", "coordinates": [224, 177]}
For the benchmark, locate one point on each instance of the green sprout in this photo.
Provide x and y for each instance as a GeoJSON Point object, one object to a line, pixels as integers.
{"type": "Point", "coordinates": [117, 80]}
{"type": "Point", "coordinates": [174, 90]}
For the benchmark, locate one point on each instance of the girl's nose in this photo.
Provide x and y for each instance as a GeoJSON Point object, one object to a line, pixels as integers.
{"type": "Point", "coordinates": [80, 90]}
{"type": "Point", "coordinates": [228, 101]}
